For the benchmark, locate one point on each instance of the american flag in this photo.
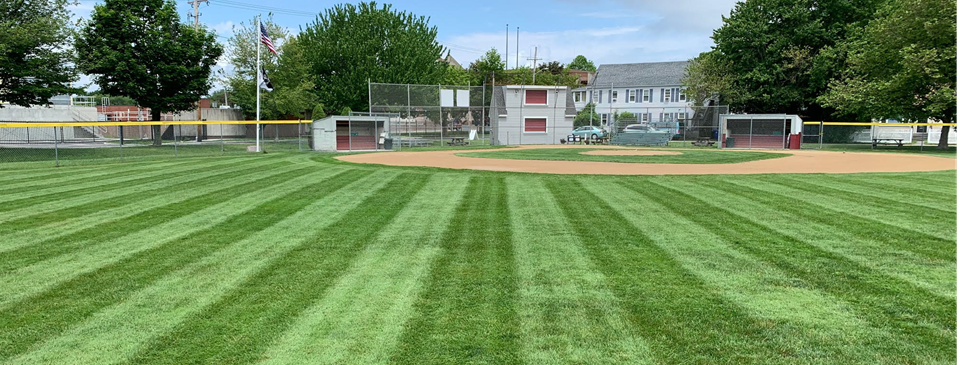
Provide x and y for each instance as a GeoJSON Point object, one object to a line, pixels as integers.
{"type": "Point", "coordinates": [266, 39]}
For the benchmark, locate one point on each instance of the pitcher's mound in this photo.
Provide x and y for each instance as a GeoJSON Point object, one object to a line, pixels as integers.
{"type": "Point", "coordinates": [629, 153]}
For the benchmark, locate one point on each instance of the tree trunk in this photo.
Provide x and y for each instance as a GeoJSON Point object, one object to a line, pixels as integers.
{"type": "Point", "coordinates": [944, 137]}
{"type": "Point", "coordinates": [157, 132]}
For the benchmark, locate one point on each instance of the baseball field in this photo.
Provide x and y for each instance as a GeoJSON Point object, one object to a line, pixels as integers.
{"type": "Point", "coordinates": [293, 258]}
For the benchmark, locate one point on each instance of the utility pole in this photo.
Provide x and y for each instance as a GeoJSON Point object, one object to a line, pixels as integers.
{"type": "Point", "coordinates": [518, 49]}
{"type": "Point", "coordinates": [196, 26]}
{"type": "Point", "coordinates": [534, 59]}
{"type": "Point", "coordinates": [506, 49]}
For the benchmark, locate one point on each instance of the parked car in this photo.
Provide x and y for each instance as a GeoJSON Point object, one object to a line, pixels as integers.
{"type": "Point", "coordinates": [591, 132]}
{"type": "Point", "coordinates": [642, 135]}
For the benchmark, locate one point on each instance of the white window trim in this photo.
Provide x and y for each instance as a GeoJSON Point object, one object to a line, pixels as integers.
{"type": "Point", "coordinates": [645, 117]}
{"type": "Point", "coordinates": [547, 102]}
{"type": "Point", "coordinates": [631, 96]}
{"type": "Point", "coordinates": [666, 95]}
{"type": "Point", "coordinates": [614, 95]}
{"type": "Point", "coordinates": [596, 97]}
{"type": "Point", "coordinates": [646, 95]}
{"type": "Point", "coordinates": [576, 97]}
{"type": "Point", "coordinates": [523, 128]}
{"type": "Point", "coordinates": [683, 96]}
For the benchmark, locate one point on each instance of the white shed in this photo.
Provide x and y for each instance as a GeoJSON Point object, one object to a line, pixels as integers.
{"type": "Point", "coordinates": [341, 133]}
{"type": "Point", "coordinates": [533, 114]}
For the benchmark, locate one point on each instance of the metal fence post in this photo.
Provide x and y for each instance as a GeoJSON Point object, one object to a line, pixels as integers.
{"type": "Point", "coordinates": [56, 148]}
{"type": "Point", "coordinates": [221, 139]}
{"type": "Point", "coordinates": [820, 146]}
{"type": "Point", "coordinates": [299, 142]}
{"type": "Point", "coordinates": [174, 141]}
{"type": "Point", "coordinates": [750, 145]}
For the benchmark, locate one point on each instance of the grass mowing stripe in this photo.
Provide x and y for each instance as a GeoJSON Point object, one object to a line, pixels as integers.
{"type": "Point", "coordinates": [921, 212]}
{"type": "Point", "coordinates": [905, 190]}
{"type": "Point", "coordinates": [681, 318]}
{"type": "Point", "coordinates": [168, 302]}
{"type": "Point", "coordinates": [817, 328]}
{"type": "Point", "coordinates": [920, 317]}
{"type": "Point", "coordinates": [24, 256]}
{"type": "Point", "coordinates": [9, 177]}
{"type": "Point", "coordinates": [33, 279]}
{"type": "Point", "coordinates": [188, 183]}
{"type": "Point", "coordinates": [62, 181]}
{"type": "Point", "coordinates": [936, 276]}
{"type": "Point", "coordinates": [865, 211]}
{"type": "Point", "coordinates": [57, 227]}
{"type": "Point", "coordinates": [360, 318]}
{"type": "Point", "coordinates": [902, 195]}
{"type": "Point", "coordinates": [50, 312]}
{"type": "Point", "coordinates": [106, 189]}
{"type": "Point", "coordinates": [239, 327]}
{"type": "Point", "coordinates": [567, 313]}
{"type": "Point", "coordinates": [941, 184]}
{"type": "Point", "coordinates": [466, 312]}
{"type": "Point", "coordinates": [117, 179]}
{"type": "Point", "coordinates": [893, 236]}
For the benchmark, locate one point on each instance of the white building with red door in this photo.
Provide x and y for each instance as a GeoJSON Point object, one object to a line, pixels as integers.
{"type": "Point", "coordinates": [531, 114]}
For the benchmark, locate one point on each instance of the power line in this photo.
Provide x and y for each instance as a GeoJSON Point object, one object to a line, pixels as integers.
{"type": "Point", "coordinates": [263, 8]}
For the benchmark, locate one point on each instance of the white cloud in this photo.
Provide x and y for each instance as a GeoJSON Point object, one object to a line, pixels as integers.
{"type": "Point", "coordinates": [224, 28]}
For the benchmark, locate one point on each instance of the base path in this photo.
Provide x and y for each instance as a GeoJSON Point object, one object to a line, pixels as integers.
{"type": "Point", "coordinates": [799, 162]}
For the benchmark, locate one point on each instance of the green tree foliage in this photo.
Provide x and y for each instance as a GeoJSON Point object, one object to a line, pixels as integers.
{"type": "Point", "coordinates": [707, 78]}
{"type": "Point", "coordinates": [902, 65]}
{"type": "Point", "coordinates": [782, 52]}
{"type": "Point", "coordinates": [458, 76]}
{"type": "Point", "coordinates": [487, 67]}
{"type": "Point", "coordinates": [581, 63]}
{"type": "Point", "coordinates": [625, 117]}
{"type": "Point", "coordinates": [139, 48]}
{"type": "Point", "coordinates": [35, 51]}
{"type": "Point", "coordinates": [553, 68]}
{"type": "Point", "coordinates": [348, 45]}
{"type": "Point", "coordinates": [587, 116]}
{"type": "Point", "coordinates": [318, 112]}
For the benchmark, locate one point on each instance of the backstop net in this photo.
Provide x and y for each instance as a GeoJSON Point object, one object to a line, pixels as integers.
{"type": "Point", "coordinates": [433, 115]}
{"type": "Point", "coordinates": [687, 126]}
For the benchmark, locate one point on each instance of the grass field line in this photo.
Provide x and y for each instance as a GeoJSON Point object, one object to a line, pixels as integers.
{"type": "Point", "coordinates": [680, 317]}
{"type": "Point", "coordinates": [10, 177]}
{"type": "Point", "coordinates": [918, 211]}
{"type": "Point", "coordinates": [912, 196]}
{"type": "Point", "coordinates": [567, 312]}
{"type": "Point", "coordinates": [363, 313]}
{"type": "Point", "coordinates": [59, 227]}
{"type": "Point", "coordinates": [466, 312]}
{"type": "Point", "coordinates": [934, 181]}
{"type": "Point", "coordinates": [926, 320]}
{"type": "Point", "coordinates": [37, 250]}
{"type": "Point", "coordinates": [76, 197]}
{"type": "Point", "coordinates": [834, 234]}
{"type": "Point", "coordinates": [64, 179]}
{"type": "Point", "coordinates": [92, 219]}
{"type": "Point", "coordinates": [115, 180]}
{"type": "Point", "coordinates": [819, 324]}
{"type": "Point", "coordinates": [830, 204]}
{"type": "Point", "coordinates": [158, 308]}
{"type": "Point", "coordinates": [925, 193]}
{"type": "Point", "coordinates": [38, 277]}
{"type": "Point", "coordinates": [239, 327]}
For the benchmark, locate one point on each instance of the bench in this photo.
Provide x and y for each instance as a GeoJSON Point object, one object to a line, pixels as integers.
{"type": "Point", "coordinates": [898, 141]}
{"type": "Point", "coordinates": [703, 142]}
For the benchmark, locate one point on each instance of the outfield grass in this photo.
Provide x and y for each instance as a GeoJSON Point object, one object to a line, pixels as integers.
{"type": "Point", "coordinates": [577, 154]}
{"type": "Point", "coordinates": [289, 258]}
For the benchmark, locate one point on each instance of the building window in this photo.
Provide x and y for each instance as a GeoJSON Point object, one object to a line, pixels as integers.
{"type": "Point", "coordinates": [632, 96]}
{"type": "Point", "coordinates": [646, 95]}
{"type": "Point", "coordinates": [538, 97]}
{"type": "Point", "coordinates": [577, 97]}
{"type": "Point", "coordinates": [535, 125]}
{"type": "Point", "coordinates": [614, 98]}
{"type": "Point", "coordinates": [683, 96]}
{"type": "Point", "coordinates": [646, 117]}
{"type": "Point", "coordinates": [603, 119]}
{"type": "Point", "coordinates": [666, 95]}
{"type": "Point", "coordinates": [596, 96]}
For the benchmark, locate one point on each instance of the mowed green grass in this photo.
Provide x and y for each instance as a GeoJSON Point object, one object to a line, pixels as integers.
{"type": "Point", "coordinates": [686, 156]}
{"type": "Point", "coordinates": [296, 259]}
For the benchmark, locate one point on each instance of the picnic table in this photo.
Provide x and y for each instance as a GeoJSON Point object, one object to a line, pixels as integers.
{"type": "Point", "coordinates": [898, 141]}
{"type": "Point", "coordinates": [703, 142]}
{"type": "Point", "coordinates": [457, 141]}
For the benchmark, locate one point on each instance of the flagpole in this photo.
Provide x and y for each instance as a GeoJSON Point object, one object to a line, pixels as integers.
{"type": "Point", "coordinates": [257, 32]}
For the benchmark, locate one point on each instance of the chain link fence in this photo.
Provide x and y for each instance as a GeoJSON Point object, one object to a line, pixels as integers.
{"type": "Point", "coordinates": [688, 126]}
{"type": "Point", "coordinates": [870, 135]}
{"type": "Point", "coordinates": [433, 115]}
{"type": "Point", "coordinates": [73, 143]}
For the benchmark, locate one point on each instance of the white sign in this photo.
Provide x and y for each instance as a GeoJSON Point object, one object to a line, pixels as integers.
{"type": "Point", "coordinates": [446, 98]}
{"type": "Point", "coordinates": [473, 134]}
{"type": "Point", "coordinates": [463, 98]}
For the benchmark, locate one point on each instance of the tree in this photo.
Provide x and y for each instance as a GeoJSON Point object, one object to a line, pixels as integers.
{"type": "Point", "coordinates": [457, 76]}
{"type": "Point", "coordinates": [35, 53]}
{"type": "Point", "coordinates": [902, 65]}
{"type": "Point", "coordinates": [139, 48]}
{"type": "Point", "coordinates": [782, 52]}
{"type": "Point", "coordinates": [487, 66]}
{"type": "Point", "coordinates": [624, 117]}
{"type": "Point", "coordinates": [553, 68]}
{"type": "Point", "coordinates": [581, 63]}
{"type": "Point", "coordinates": [349, 45]}
{"type": "Point", "coordinates": [318, 112]}
{"type": "Point", "coordinates": [587, 116]}
{"type": "Point", "coordinates": [707, 78]}
{"type": "Point", "coordinates": [242, 54]}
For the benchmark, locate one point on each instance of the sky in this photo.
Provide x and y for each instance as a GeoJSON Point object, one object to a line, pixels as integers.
{"type": "Point", "coordinates": [612, 31]}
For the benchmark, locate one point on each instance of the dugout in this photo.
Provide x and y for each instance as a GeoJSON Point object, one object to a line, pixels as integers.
{"type": "Point", "coordinates": [765, 131]}
{"type": "Point", "coordinates": [344, 133]}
